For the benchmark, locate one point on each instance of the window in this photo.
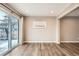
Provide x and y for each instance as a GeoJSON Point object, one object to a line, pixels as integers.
{"type": "Point", "coordinates": [9, 30]}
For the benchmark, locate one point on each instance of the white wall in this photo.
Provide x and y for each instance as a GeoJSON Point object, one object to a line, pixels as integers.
{"type": "Point", "coordinates": [47, 34]}
{"type": "Point", "coordinates": [70, 29]}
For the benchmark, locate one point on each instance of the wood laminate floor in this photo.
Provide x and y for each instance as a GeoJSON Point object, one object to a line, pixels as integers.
{"type": "Point", "coordinates": [46, 49]}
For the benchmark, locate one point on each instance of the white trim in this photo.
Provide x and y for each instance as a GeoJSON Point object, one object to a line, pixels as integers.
{"type": "Point", "coordinates": [69, 41]}
{"type": "Point", "coordinates": [39, 42]}
{"type": "Point", "coordinates": [21, 30]}
{"type": "Point", "coordinates": [68, 10]}
{"type": "Point", "coordinates": [58, 31]}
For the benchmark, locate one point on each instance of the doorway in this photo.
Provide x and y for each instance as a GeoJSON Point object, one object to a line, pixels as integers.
{"type": "Point", "coordinates": [69, 27]}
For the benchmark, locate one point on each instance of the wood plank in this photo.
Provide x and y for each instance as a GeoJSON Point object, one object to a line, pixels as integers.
{"type": "Point", "coordinates": [46, 49]}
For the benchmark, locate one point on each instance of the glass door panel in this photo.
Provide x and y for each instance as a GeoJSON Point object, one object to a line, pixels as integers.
{"type": "Point", "coordinates": [14, 31]}
{"type": "Point", "coordinates": [9, 32]}
{"type": "Point", "coordinates": [3, 32]}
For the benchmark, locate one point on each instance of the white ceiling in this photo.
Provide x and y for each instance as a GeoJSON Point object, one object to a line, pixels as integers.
{"type": "Point", "coordinates": [40, 9]}
{"type": "Point", "coordinates": [74, 12]}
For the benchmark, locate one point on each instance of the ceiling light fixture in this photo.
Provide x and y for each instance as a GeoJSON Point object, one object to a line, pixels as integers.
{"type": "Point", "coordinates": [51, 12]}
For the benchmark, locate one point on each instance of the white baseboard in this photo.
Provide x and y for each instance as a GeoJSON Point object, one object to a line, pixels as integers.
{"type": "Point", "coordinates": [50, 42]}
{"type": "Point", "coordinates": [39, 41]}
{"type": "Point", "coordinates": [69, 41]}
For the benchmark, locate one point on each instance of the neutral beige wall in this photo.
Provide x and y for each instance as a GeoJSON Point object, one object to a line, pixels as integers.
{"type": "Point", "coordinates": [32, 34]}
{"type": "Point", "coordinates": [69, 29]}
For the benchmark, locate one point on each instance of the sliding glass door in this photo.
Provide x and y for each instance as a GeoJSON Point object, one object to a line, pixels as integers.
{"type": "Point", "coordinates": [14, 31]}
{"type": "Point", "coordinates": [3, 32]}
{"type": "Point", "coordinates": [9, 32]}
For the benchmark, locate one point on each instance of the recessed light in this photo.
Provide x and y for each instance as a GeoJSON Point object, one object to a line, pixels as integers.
{"type": "Point", "coordinates": [51, 12]}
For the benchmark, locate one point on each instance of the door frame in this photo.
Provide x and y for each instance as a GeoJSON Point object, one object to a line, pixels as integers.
{"type": "Point", "coordinates": [71, 8]}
